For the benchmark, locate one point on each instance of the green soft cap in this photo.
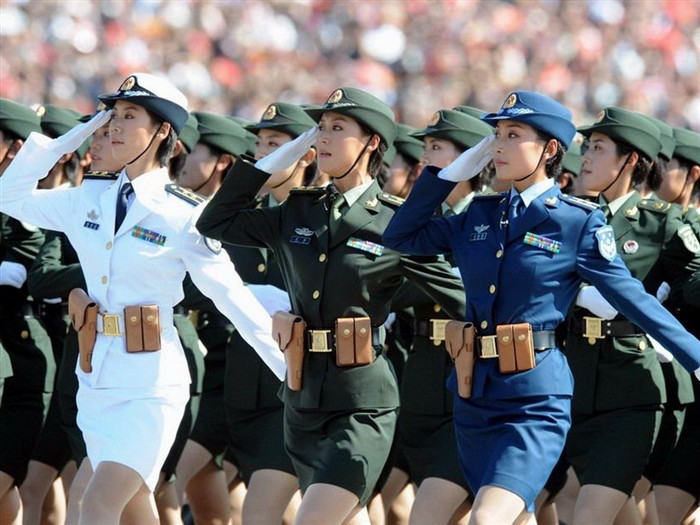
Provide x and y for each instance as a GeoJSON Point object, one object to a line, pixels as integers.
{"type": "Point", "coordinates": [573, 161]}
{"type": "Point", "coordinates": [18, 119]}
{"type": "Point", "coordinates": [687, 145]}
{"type": "Point", "coordinates": [629, 127]}
{"type": "Point", "coordinates": [287, 118]}
{"type": "Point", "coordinates": [222, 133]}
{"type": "Point", "coordinates": [366, 109]}
{"type": "Point", "coordinates": [665, 136]}
{"type": "Point", "coordinates": [457, 127]}
{"type": "Point", "coordinates": [189, 136]}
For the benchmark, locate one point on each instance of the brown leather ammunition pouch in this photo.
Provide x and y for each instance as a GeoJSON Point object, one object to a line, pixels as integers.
{"type": "Point", "coordinates": [459, 342]}
{"type": "Point", "coordinates": [353, 341]}
{"type": "Point", "coordinates": [142, 327]}
{"type": "Point", "coordinates": [516, 349]}
{"type": "Point", "coordinates": [288, 330]}
{"type": "Point", "coordinates": [82, 311]}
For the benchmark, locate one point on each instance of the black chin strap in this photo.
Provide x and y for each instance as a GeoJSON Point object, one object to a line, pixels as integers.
{"type": "Point", "coordinates": [356, 161]}
{"type": "Point", "coordinates": [536, 167]}
{"type": "Point", "coordinates": [291, 176]}
{"type": "Point", "coordinates": [144, 151]}
{"type": "Point", "coordinates": [206, 181]}
{"type": "Point", "coordinates": [618, 174]}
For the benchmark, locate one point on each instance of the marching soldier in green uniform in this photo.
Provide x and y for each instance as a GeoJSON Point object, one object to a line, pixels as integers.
{"type": "Point", "coordinates": [677, 486]}
{"type": "Point", "coordinates": [27, 393]}
{"type": "Point", "coordinates": [339, 422]}
{"type": "Point", "coordinates": [200, 471]}
{"type": "Point", "coordinates": [619, 385]}
{"type": "Point", "coordinates": [254, 411]}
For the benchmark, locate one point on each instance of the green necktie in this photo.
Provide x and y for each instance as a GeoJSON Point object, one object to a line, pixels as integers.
{"type": "Point", "coordinates": [337, 209]}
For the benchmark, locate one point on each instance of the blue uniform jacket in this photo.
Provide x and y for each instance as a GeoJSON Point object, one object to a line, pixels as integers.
{"type": "Point", "coordinates": [510, 281]}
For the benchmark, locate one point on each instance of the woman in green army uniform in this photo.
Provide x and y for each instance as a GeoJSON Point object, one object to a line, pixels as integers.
{"type": "Point", "coordinates": [254, 411]}
{"type": "Point", "coordinates": [677, 486]}
{"type": "Point", "coordinates": [619, 385]}
{"type": "Point", "coordinates": [26, 393]}
{"type": "Point", "coordinates": [339, 424]}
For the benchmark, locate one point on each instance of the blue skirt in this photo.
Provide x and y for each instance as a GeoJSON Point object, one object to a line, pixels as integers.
{"type": "Point", "coordinates": [511, 443]}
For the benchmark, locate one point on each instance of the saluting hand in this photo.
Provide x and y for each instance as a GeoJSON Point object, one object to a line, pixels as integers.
{"type": "Point", "coordinates": [73, 139]}
{"type": "Point", "coordinates": [470, 163]}
{"type": "Point", "coordinates": [289, 153]}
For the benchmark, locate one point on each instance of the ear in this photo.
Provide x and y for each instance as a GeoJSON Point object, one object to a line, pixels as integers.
{"type": "Point", "coordinates": [633, 159]}
{"type": "Point", "coordinates": [14, 148]}
{"type": "Point", "coordinates": [308, 157]}
{"type": "Point", "coordinates": [65, 158]}
{"type": "Point", "coordinates": [550, 150]}
{"type": "Point", "coordinates": [564, 180]}
{"type": "Point", "coordinates": [373, 142]}
{"type": "Point", "coordinates": [179, 148]}
{"type": "Point", "coordinates": [86, 160]}
{"type": "Point", "coordinates": [164, 130]}
{"type": "Point", "coordinates": [224, 161]}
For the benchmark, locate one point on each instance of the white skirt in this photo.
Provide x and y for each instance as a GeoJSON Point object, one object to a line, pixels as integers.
{"type": "Point", "coordinates": [135, 427]}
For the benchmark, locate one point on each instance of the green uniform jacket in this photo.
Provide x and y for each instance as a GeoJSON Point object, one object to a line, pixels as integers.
{"type": "Point", "coordinates": [615, 372]}
{"type": "Point", "coordinates": [348, 276]}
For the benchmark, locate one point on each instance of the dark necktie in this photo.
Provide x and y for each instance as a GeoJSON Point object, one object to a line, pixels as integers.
{"type": "Point", "coordinates": [337, 208]}
{"type": "Point", "coordinates": [517, 207]}
{"type": "Point", "coordinates": [122, 202]}
{"type": "Point", "coordinates": [606, 211]}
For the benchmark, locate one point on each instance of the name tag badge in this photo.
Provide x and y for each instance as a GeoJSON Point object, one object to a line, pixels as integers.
{"type": "Point", "coordinates": [479, 233]}
{"type": "Point", "coordinates": [365, 246]}
{"type": "Point", "coordinates": [91, 225]}
{"type": "Point", "coordinates": [298, 239]}
{"type": "Point", "coordinates": [148, 235]}
{"type": "Point", "coordinates": [544, 243]}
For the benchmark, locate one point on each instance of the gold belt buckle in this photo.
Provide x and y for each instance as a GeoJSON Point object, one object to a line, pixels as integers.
{"type": "Point", "coordinates": [319, 341]}
{"type": "Point", "coordinates": [488, 347]}
{"type": "Point", "coordinates": [437, 329]}
{"type": "Point", "coordinates": [110, 325]}
{"type": "Point", "coordinates": [593, 328]}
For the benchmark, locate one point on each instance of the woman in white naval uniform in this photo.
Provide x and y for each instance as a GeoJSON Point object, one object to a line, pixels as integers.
{"type": "Point", "coordinates": [130, 405]}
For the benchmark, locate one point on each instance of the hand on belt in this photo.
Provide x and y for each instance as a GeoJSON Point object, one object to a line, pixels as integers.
{"type": "Point", "coordinates": [320, 341]}
{"type": "Point", "coordinates": [542, 340]}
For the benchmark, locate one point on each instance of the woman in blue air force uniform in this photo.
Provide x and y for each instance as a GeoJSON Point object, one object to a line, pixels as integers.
{"type": "Point", "coordinates": [522, 255]}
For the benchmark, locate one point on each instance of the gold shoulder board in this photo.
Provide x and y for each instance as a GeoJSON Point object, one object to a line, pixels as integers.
{"type": "Point", "coordinates": [185, 194]}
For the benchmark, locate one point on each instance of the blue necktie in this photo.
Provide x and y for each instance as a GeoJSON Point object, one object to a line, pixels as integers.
{"type": "Point", "coordinates": [122, 202]}
{"type": "Point", "coordinates": [517, 207]}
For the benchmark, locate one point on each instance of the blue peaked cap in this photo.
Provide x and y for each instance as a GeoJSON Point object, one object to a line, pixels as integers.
{"type": "Point", "coordinates": [540, 112]}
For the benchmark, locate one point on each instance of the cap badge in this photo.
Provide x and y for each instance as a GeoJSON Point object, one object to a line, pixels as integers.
{"type": "Point", "coordinates": [435, 119]}
{"type": "Point", "coordinates": [600, 116]}
{"type": "Point", "coordinates": [40, 111]}
{"type": "Point", "coordinates": [511, 101]}
{"type": "Point", "coordinates": [101, 106]}
{"type": "Point", "coordinates": [335, 97]}
{"type": "Point", "coordinates": [128, 84]}
{"type": "Point", "coordinates": [630, 247]}
{"type": "Point", "coordinates": [270, 113]}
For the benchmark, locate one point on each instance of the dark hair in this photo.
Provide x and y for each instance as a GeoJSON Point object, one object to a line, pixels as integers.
{"type": "Point", "coordinates": [176, 164]}
{"type": "Point", "coordinates": [685, 166]}
{"type": "Point", "coordinates": [376, 158]}
{"type": "Point", "coordinates": [70, 168]}
{"type": "Point", "coordinates": [553, 165]}
{"type": "Point", "coordinates": [656, 174]}
{"type": "Point", "coordinates": [167, 147]}
{"type": "Point", "coordinates": [643, 166]}
{"type": "Point", "coordinates": [569, 183]}
{"type": "Point", "coordinates": [310, 174]}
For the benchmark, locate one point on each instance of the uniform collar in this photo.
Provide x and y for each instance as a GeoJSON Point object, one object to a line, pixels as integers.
{"type": "Point", "coordinates": [353, 194]}
{"type": "Point", "coordinates": [530, 193]}
{"type": "Point", "coordinates": [618, 203]}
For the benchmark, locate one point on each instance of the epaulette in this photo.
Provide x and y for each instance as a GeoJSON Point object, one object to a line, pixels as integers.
{"type": "Point", "coordinates": [391, 199]}
{"type": "Point", "coordinates": [654, 205]}
{"type": "Point", "coordinates": [581, 203]}
{"type": "Point", "coordinates": [307, 190]}
{"type": "Point", "coordinates": [101, 175]}
{"type": "Point", "coordinates": [491, 195]}
{"type": "Point", "coordinates": [185, 194]}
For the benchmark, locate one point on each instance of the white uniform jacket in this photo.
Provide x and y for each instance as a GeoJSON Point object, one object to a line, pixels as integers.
{"type": "Point", "coordinates": [143, 263]}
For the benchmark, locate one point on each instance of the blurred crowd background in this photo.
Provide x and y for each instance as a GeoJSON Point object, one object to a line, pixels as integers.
{"type": "Point", "coordinates": [236, 56]}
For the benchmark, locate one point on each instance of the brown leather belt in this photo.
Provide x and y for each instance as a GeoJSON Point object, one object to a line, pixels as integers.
{"type": "Point", "coordinates": [597, 328]}
{"type": "Point", "coordinates": [323, 341]}
{"type": "Point", "coordinates": [542, 340]}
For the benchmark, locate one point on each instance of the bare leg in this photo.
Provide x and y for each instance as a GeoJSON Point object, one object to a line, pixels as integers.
{"type": "Point", "coordinates": [290, 513]}
{"type": "Point", "coordinates": [463, 513]}
{"type": "Point", "coordinates": [397, 495]}
{"type": "Point", "coordinates": [436, 501]}
{"type": "Point", "coordinates": [496, 506]}
{"type": "Point", "coordinates": [53, 511]}
{"type": "Point", "coordinates": [11, 507]}
{"type": "Point", "coordinates": [325, 504]}
{"type": "Point", "coordinates": [6, 483]}
{"type": "Point", "coordinates": [269, 493]}
{"type": "Point", "coordinates": [111, 487]}
{"type": "Point", "coordinates": [566, 499]}
{"type": "Point", "coordinates": [194, 457]}
{"type": "Point", "coordinates": [167, 503]}
{"type": "Point", "coordinates": [237, 492]}
{"type": "Point", "coordinates": [359, 516]}
{"type": "Point", "coordinates": [207, 493]}
{"type": "Point", "coordinates": [141, 509]}
{"type": "Point", "coordinates": [598, 504]}
{"type": "Point", "coordinates": [75, 493]}
{"type": "Point", "coordinates": [629, 514]}
{"type": "Point", "coordinates": [651, 515]}
{"type": "Point", "coordinates": [34, 489]}
{"type": "Point", "coordinates": [375, 510]}
{"type": "Point", "coordinates": [672, 504]}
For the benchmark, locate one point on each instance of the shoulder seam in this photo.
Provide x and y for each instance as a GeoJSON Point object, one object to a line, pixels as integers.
{"type": "Point", "coordinates": [184, 194]}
